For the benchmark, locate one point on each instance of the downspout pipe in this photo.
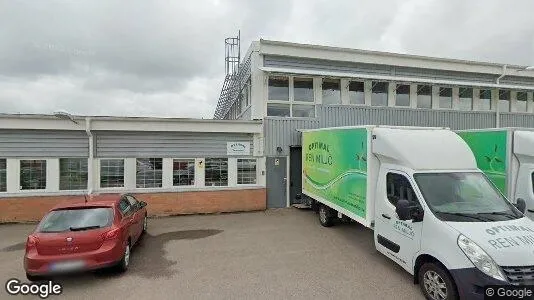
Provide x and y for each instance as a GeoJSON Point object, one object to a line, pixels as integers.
{"type": "Point", "coordinates": [90, 163]}
{"type": "Point", "coordinates": [497, 109]}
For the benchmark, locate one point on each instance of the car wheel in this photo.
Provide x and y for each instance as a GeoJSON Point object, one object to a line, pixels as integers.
{"type": "Point", "coordinates": [326, 215]}
{"type": "Point", "coordinates": [436, 283]}
{"type": "Point", "coordinates": [145, 224]}
{"type": "Point", "coordinates": [34, 277]}
{"type": "Point", "coordinates": [125, 261]}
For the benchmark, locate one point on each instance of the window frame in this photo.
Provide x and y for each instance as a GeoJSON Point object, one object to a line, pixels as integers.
{"type": "Point", "coordinates": [355, 80]}
{"type": "Point", "coordinates": [154, 171]}
{"type": "Point", "coordinates": [323, 90]}
{"type": "Point", "coordinates": [227, 171]}
{"type": "Point", "coordinates": [86, 171]}
{"type": "Point", "coordinates": [4, 175]}
{"type": "Point", "coordinates": [442, 88]}
{"type": "Point", "coordinates": [471, 107]}
{"type": "Point", "coordinates": [291, 100]}
{"type": "Point", "coordinates": [47, 166]}
{"type": "Point", "coordinates": [429, 95]}
{"type": "Point", "coordinates": [374, 83]}
{"type": "Point", "coordinates": [255, 171]}
{"type": "Point", "coordinates": [509, 100]}
{"type": "Point", "coordinates": [516, 102]}
{"type": "Point", "coordinates": [483, 91]}
{"type": "Point", "coordinates": [397, 85]}
{"type": "Point", "coordinates": [123, 174]}
{"type": "Point", "coordinates": [413, 186]}
{"type": "Point", "coordinates": [194, 172]}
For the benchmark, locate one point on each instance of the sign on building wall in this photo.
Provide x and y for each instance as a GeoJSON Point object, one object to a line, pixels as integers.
{"type": "Point", "coordinates": [237, 148]}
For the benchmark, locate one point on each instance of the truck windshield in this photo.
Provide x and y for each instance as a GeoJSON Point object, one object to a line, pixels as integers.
{"type": "Point", "coordinates": [464, 197]}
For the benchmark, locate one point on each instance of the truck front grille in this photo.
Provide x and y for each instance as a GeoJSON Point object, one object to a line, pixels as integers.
{"type": "Point", "coordinates": [522, 275]}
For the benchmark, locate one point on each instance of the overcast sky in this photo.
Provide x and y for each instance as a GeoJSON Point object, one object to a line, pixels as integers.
{"type": "Point", "coordinates": [166, 58]}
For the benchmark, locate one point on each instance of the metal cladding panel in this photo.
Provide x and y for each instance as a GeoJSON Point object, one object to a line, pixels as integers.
{"type": "Point", "coordinates": [517, 120]}
{"type": "Point", "coordinates": [282, 132]}
{"type": "Point", "coordinates": [43, 143]}
{"type": "Point", "coordinates": [167, 144]}
{"type": "Point", "coordinates": [338, 115]}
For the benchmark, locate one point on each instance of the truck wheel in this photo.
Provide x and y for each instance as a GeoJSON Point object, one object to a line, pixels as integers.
{"type": "Point", "coordinates": [314, 206]}
{"type": "Point", "coordinates": [436, 283]}
{"type": "Point", "coordinates": [326, 215]}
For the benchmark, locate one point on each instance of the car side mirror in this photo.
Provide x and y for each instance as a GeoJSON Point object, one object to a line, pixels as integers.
{"type": "Point", "coordinates": [521, 205]}
{"type": "Point", "coordinates": [142, 204]}
{"type": "Point", "coordinates": [403, 210]}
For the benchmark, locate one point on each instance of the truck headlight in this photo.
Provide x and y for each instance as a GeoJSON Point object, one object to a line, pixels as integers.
{"type": "Point", "coordinates": [480, 258]}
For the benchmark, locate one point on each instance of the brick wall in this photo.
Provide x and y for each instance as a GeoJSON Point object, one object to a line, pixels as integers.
{"type": "Point", "coordinates": [24, 209]}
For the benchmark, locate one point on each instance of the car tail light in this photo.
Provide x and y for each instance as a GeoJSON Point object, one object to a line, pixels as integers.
{"type": "Point", "coordinates": [31, 243]}
{"type": "Point", "coordinates": [110, 235]}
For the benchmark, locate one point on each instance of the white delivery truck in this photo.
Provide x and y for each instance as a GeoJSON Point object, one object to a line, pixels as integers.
{"type": "Point", "coordinates": [506, 156]}
{"type": "Point", "coordinates": [432, 210]}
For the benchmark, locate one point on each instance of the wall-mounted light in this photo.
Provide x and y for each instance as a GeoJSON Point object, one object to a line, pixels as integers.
{"type": "Point", "coordinates": [279, 149]}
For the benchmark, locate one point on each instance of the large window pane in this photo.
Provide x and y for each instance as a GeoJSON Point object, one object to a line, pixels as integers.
{"type": "Point", "coordinates": [402, 96]}
{"type": "Point", "coordinates": [279, 88]}
{"type": "Point", "coordinates": [3, 175]}
{"type": "Point", "coordinates": [485, 100]}
{"type": "Point", "coordinates": [149, 173]}
{"type": "Point", "coordinates": [465, 99]}
{"type": "Point", "coordinates": [303, 89]}
{"type": "Point", "coordinates": [216, 172]}
{"type": "Point", "coordinates": [183, 172]}
{"type": "Point", "coordinates": [521, 103]}
{"type": "Point", "coordinates": [246, 171]}
{"type": "Point", "coordinates": [331, 91]}
{"type": "Point", "coordinates": [305, 111]}
{"type": "Point", "coordinates": [33, 174]}
{"type": "Point", "coordinates": [111, 173]}
{"type": "Point", "coordinates": [504, 100]}
{"type": "Point", "coordinates": [278, 110]}
{"type": "Point", "coordinates": [73, 173]}
{"type": "Point", "coordinates": [445, 97]}
{"type": "Point", "coordinates": [424, 96]}
{"type": "Point", "coordinates": [379, 95]}
{"type": "Point", "coordinates": [356, 92]}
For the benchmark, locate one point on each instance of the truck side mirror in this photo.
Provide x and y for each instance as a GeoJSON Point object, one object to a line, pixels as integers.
{"type": "Point", "coordinates": [521, 205]}
{"type": "Point", "coordinates": [403, 210]}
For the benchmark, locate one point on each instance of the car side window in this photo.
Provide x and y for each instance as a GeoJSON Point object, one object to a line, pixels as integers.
{"type": "Point", "coordinates": [399, 187]}
{"type": "Point", "coordinates": [133, 202]}
{"type": "Point", "coordinates": [124, 207]}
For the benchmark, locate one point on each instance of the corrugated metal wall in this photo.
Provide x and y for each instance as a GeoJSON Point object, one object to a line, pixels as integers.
{"type": "Point", "coordinates": [43, 143]}
{"type": "Point", "coordinates": [282, 132]}
{"type": "Point", "coordinates": [332, 116]}
{"type": "Point", "coordinates": [166, 144]}
{"type": "Point", "coordinates": [517, 120]}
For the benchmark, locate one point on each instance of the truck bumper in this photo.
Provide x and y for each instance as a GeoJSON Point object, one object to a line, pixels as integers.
{"type": "Point", "coordinates": [471, 282]}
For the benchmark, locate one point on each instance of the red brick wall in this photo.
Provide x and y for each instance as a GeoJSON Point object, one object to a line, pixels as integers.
{"type": "Point", "coordinates": [24, 209]}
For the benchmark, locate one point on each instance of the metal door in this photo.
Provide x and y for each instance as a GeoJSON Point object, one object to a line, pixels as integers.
{"type": "Point", "coordinates": [295, 175]}
{"type": "Point", "coordinates": [276, 182]}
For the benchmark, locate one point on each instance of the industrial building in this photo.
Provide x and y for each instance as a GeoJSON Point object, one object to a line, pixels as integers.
{"type": "Point", "coordinates": [249, 156]}
{"type": "Point", "coordinates": [296, 86]}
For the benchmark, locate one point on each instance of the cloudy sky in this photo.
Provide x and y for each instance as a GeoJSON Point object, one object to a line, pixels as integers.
{"type": "Point", "coordinates": [166, 57]}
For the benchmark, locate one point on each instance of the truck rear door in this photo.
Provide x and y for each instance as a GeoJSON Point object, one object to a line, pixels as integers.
{"type": "Point", "coordinates": [399, 240]}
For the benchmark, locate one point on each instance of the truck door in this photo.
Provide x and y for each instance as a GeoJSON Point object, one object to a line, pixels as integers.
{"type": "Point", "coordinates": [525, 187]}
{"type": "Point", "coordinates": [399, 240]}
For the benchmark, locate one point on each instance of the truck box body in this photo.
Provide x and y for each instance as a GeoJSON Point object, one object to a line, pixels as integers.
{"type": "Point", "coordinates": [506, 156]}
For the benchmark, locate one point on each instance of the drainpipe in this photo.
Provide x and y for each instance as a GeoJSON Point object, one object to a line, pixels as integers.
{"type": "Point", "coordinates": [497, 110]}
{"type": "Point", "coordinates": [90, 163]}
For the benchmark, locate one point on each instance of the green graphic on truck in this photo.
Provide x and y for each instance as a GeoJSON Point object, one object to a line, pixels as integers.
{"type": "Point", "coordinates": [489, 148]}
{"type": "Point", "coordinates": [335, 167]}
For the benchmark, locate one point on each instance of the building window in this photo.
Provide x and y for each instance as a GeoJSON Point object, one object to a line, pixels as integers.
{"type": "Point", "coordinates": [379, 94]}
{"type": "Point", "coordinates": [402, 95]}
{"type": "Point", "coordinates": [485, 100]}
{"type": "Point", "coordinates": [424, 96]}
{"type": "Point", "coordinates": [149, 173]}
{"type": "Point", "coordinates": [331, 91]}
{"type": "Point", "coordinates": [111, 173]}
{"type": "Point", "coordinates": [356, 93]}
{"type": "Point", "coordinates": [303, 89]}
{"type": "Point", "coordinates": [216, 172]}
{"type": "Point", "coordinates": [303, 111]}
{"type": "Point", "coordinates": [445, 97]}
{"type": "Point", "coordinates": [33, 174]}
{"type": "Point", "coordinates": [504, 100]}
{"type": "Point", "coordinates": [3, 175]}
{"type": "Point", "coordinates": [183, 172]}
{"type": "Point", "coordinates": [279, 88]}
{"type": "Point", "coordinates": [521, 103]}
{"type": "Point", "coordinates": [246, 171]}
{"type": "Point", "coordinates": [73, 173]}
{"type": "Point", "coordinates": [465, 99]}
{"type": "Point", "coordinates": [278, 110]}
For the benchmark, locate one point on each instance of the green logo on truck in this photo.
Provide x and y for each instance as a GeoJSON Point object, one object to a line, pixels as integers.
{"type": "Point", "coordinates": [489, 148]}
{"type": "Point", "coordinates": [335, 167]}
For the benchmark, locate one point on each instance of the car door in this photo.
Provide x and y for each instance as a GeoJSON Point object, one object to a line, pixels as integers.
{"type": "Point", "coordinates": [127, 217]}
{"type": "Point", "coordinates": [136, 216]}
{"type": "Point", "coordinates": [397, 239]}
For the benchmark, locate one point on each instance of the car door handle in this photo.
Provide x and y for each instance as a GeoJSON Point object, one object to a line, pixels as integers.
{"type": "Point", "coordinates": [386, 216]}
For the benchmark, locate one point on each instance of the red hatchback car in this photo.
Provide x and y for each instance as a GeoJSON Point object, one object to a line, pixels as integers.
{"type": "Point", "coordinates": [85, 235]}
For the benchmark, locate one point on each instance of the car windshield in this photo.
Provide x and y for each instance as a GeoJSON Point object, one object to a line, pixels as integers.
{"type": "Point", "coordinates": [467, 197]}
{"type": "Point", "coordinates": [76, 219]}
